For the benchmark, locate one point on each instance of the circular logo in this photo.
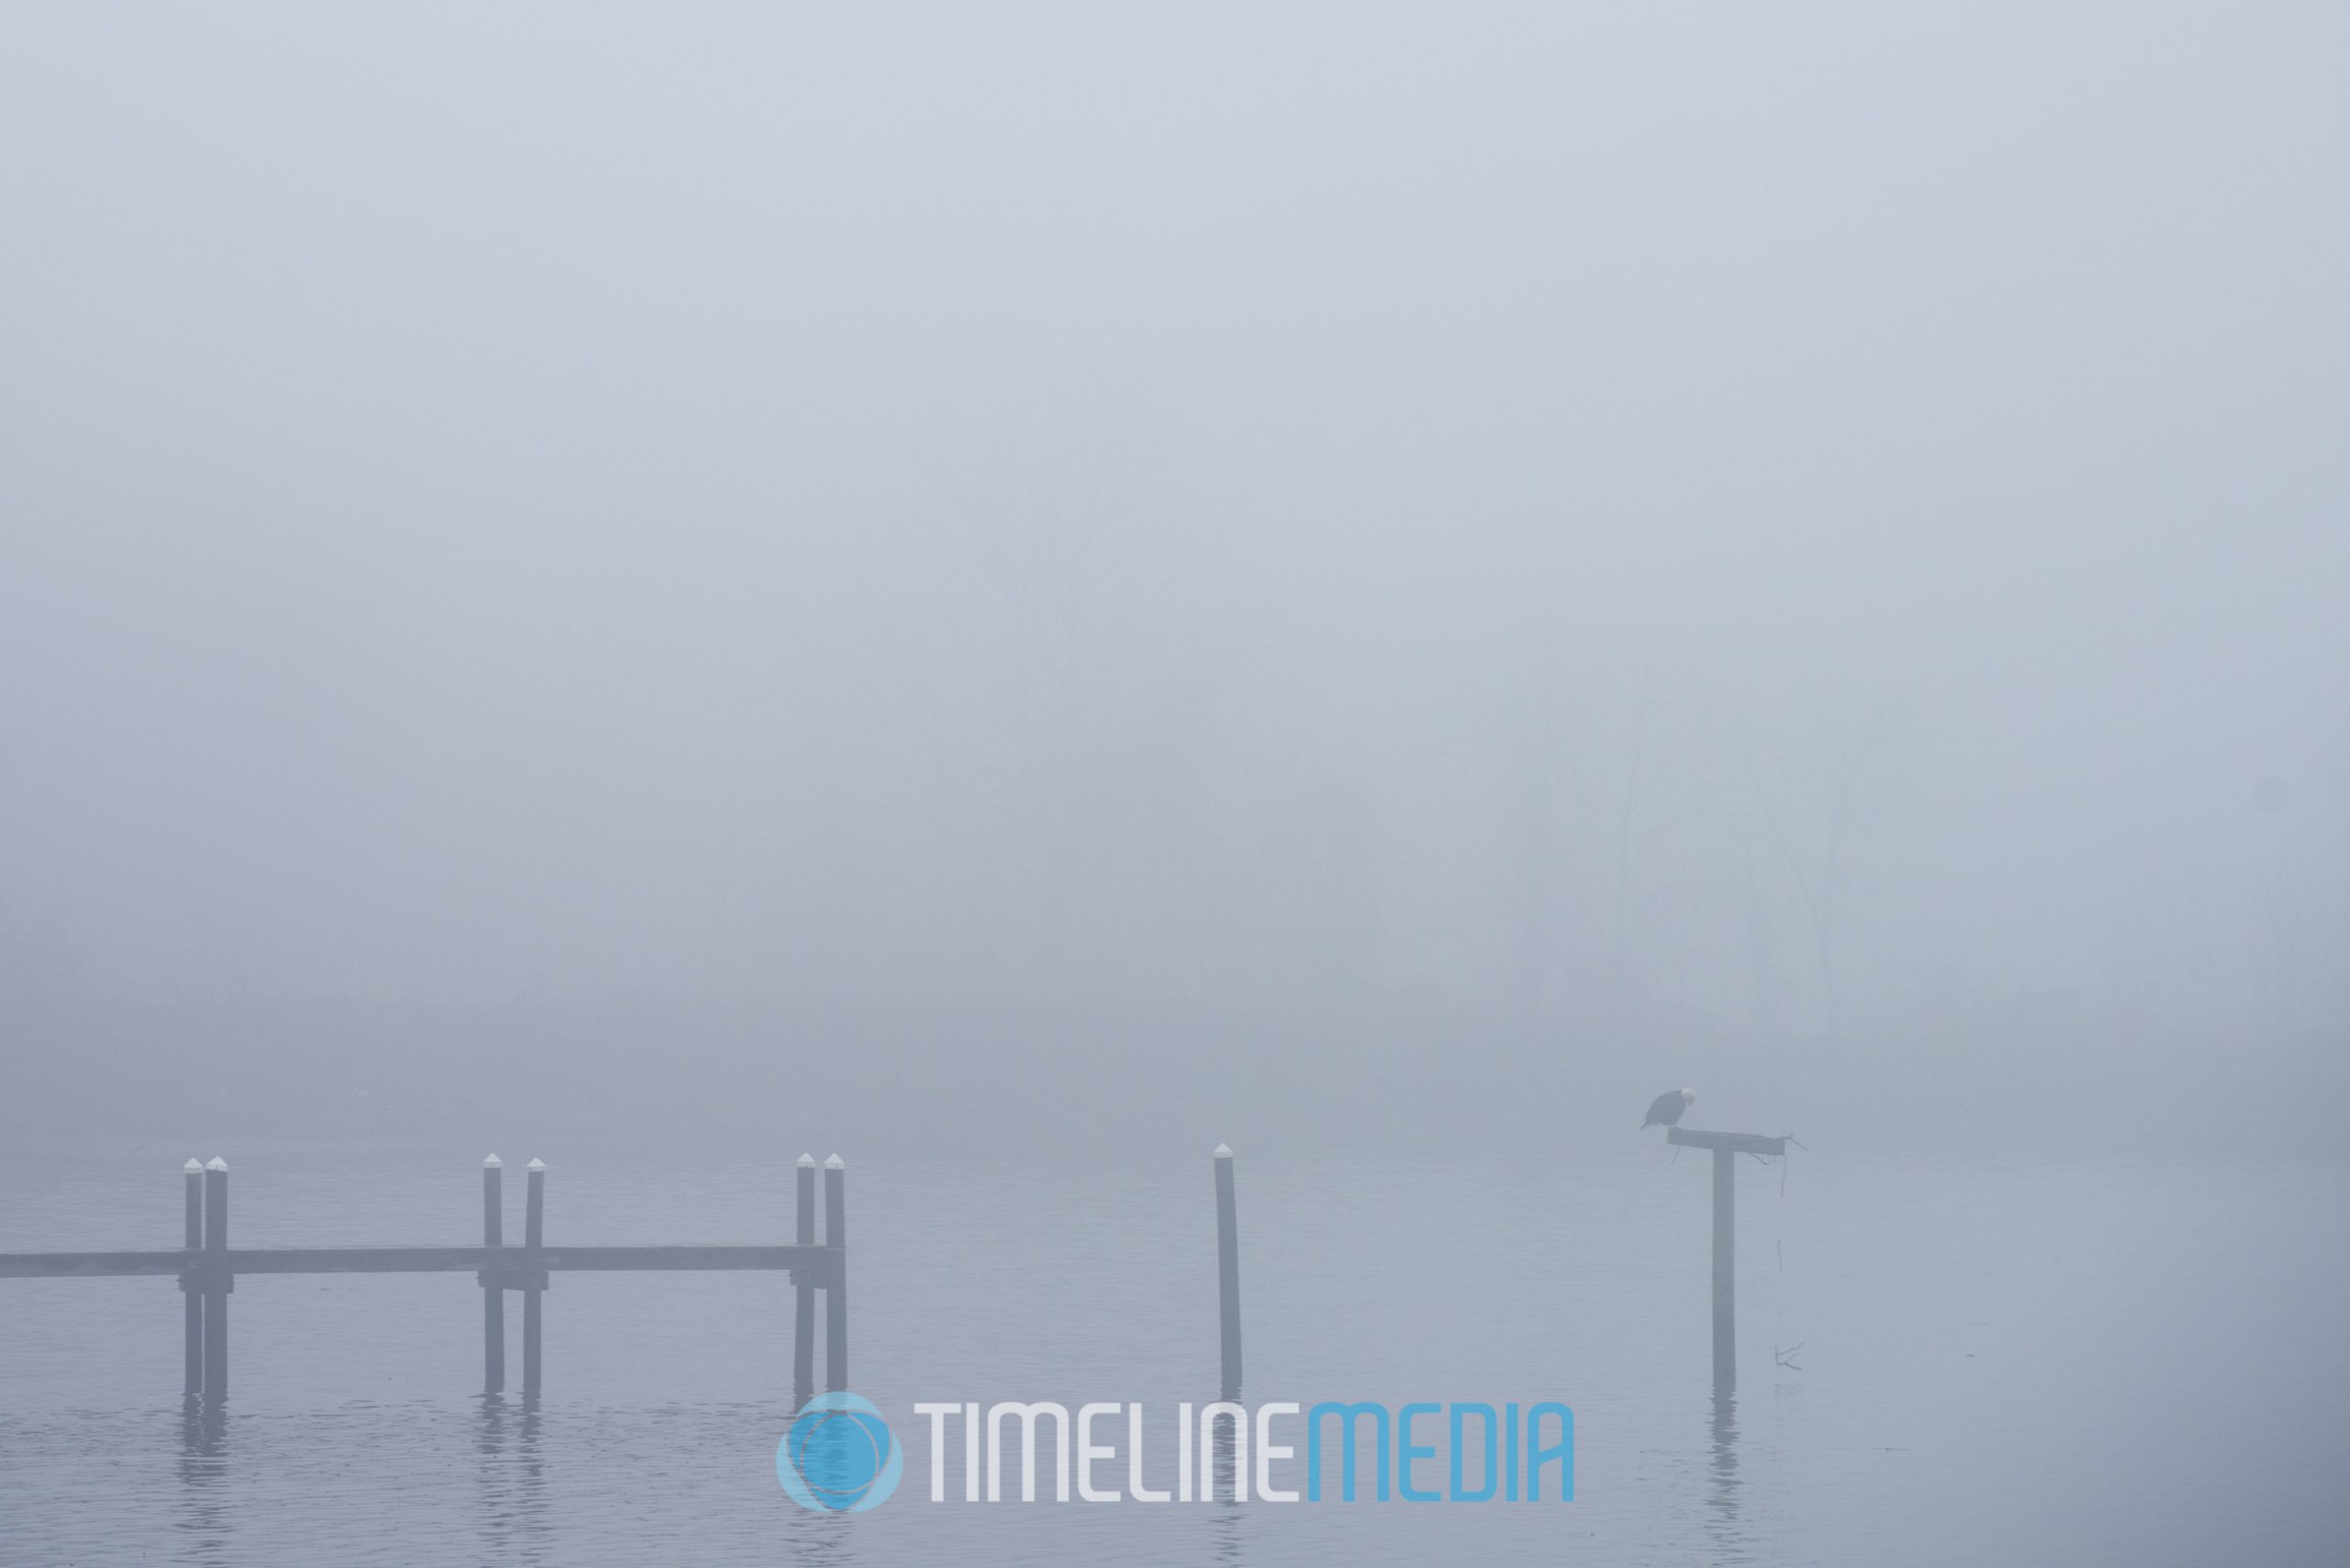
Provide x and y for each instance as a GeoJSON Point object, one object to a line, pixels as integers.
{"type": "Point", "coordinates": [839, 1456]}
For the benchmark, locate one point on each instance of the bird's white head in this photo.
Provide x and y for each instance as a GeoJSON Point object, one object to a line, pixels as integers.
{"type": "Point", "coordinates": [1688, 1097]}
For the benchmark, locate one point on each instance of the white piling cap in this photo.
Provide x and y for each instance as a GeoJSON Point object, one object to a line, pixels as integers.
{"type": "Point", "coordinates": [193, 1167]}
{"type": "Point", "coordinates": [218, 1164]}
{"type": "Point", "coordinates": [1224, 1152]}
{"type": "Point", "coordinates": [493, 1163]}
{"type": "Point", "coordinates": [807, 1160]}
{"type": "Point", "coordinates": [538, 1165]}
{"type": "Point", "coordinates": [835, 1163]}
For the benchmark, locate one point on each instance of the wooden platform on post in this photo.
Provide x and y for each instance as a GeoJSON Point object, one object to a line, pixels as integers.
{"type": "Point", "coordinates": [1727, 1147]}
{"type": "Point", "coordinates": [1727, 1142]}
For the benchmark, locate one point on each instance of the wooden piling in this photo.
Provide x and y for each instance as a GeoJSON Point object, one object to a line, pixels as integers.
{"type": "Point", "coordinates": [1227, 1268]}
{"type": "Point", "coordinates": [836, 1287]}
{"type": "Point", "coordinates": [217, 1283]}
{"type": "Point", "coordinates": [1726, 1148]}
{"type": "Point", "coordinates": [192, 1281]}
{"type": "Point", "coordinates": [493, 1295]}
{"type": "Point", "coordinates": [1725, 1269]}
{"type": "Point", "coordinates": [803, 1290]}
{"type": "Point", "coordinates": [534, 1278]}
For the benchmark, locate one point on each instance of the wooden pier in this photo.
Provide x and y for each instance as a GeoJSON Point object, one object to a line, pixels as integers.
{"type": "Point", "coordinates": [206, 1268]}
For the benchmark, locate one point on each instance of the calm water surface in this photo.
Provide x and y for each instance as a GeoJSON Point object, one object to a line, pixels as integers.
{"type": "Point", "coordinates": [2013, 1363]}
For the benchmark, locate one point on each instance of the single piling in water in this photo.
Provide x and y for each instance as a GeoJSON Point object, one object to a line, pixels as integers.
{"type": "Point", "coordinates": [836, 1288]}
{"type": "Point", "coordinates": [803, 1289]}
{"type": "Point", "coordinates": [1726, 1148]}
{"type": "Point", "coordinates": [1227, 1268]}
{"type": "Point", "coordinates": [217, 1283]}
{"type": "Point", "coordinates": [1725, 1269]}
{"type": "Point", "coordinates": [493, 1295]}
{"type": "Point", "coordinates": [535, 1278]}
{"type": "Point", "coordinates": [191, 1283]}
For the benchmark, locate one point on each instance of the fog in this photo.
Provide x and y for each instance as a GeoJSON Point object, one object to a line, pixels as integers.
{"type": "Point", "coordinates": [970, 575]}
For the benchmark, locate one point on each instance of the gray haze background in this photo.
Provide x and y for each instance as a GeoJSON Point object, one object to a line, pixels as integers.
{"type": "Point", "coordinates": [1339, 577]}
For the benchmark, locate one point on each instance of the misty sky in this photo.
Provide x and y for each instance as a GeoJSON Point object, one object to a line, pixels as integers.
{"type": "Point", "coordinates": [1481, 505]}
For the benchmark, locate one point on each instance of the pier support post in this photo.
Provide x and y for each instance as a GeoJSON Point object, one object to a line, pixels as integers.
{"type": "Point", "coordinates": [836, 1287]}
{"type": "Point", "coordinates": [1725, 1269]}
{"type": "Point", "coordinates": [493, 1294]}
{"type": "Point", "coordinates": [1227, 1268]}
{"type": "Point", "coordinates": [803, 1289]}
{"type": "Point", "coordinates": [191, 1280]}
{"type": "Point", "coordinates": [535, 1276]}
{"type": "Point", "coordinates": [217, 1283]}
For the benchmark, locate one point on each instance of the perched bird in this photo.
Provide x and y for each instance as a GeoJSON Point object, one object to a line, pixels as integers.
{"type": "Point", "coordinates": [1666, 1108]}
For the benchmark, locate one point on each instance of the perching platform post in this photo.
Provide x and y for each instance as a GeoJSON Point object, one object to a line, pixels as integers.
{"type": "Point", "coordinates": [1727, 1147]}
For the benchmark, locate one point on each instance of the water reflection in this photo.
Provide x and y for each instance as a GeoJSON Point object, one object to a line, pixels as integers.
{"type": "Point", "coordinates": [203, 1475]}
{"type": "Point", "coordinates": [822, 1537]}
{"type": "Point", "coordinates": [512, 1477]}
{"type": "Point", "coordinates": [1722, 1492]}
{"type": "Point", "coordinates": [813, 1535]}
{"type": "Point", "coordinates": [1224, 1468]}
